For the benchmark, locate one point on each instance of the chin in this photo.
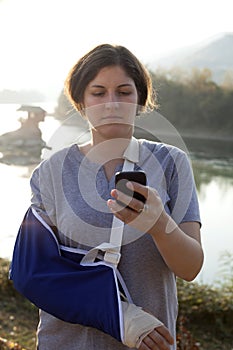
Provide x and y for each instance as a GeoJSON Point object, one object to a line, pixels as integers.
{"type": "Point", "coordinates": [112, 131]}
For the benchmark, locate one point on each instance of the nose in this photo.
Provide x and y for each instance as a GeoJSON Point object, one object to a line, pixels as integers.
{"type": "Point", "coordinates": [112, 101]}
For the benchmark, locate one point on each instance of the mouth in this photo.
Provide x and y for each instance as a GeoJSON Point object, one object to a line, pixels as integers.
{"type": "Point", "coordinates": [112, 117]}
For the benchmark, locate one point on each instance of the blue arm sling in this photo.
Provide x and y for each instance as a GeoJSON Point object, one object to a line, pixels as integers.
{"type": "Point", "coordinates": [56, 282]}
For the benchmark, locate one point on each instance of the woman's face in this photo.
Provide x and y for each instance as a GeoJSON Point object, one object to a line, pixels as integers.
{"type": "Point", "coordinates": [110, 102]}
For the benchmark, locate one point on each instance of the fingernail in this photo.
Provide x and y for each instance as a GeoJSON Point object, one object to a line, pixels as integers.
{"type": "Point", "coordinates": [109, 201]}
{"type": "Point", "coordinates": [129, 185]}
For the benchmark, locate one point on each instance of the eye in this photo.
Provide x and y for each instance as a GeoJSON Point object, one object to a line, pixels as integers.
{"type": "Point", "coordinates": [124, 93]}
{"type": "Point", "coordinates": [98, 94]}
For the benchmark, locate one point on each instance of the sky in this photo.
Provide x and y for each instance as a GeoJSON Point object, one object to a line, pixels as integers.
{"type": "Point", "coordinates": [41, 39]}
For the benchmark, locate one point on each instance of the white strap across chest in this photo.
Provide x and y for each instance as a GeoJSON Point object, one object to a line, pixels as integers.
{"type": "Point", "coordinates": [113, 247]}
{"type": "Point", "coordinates": [113, 256]}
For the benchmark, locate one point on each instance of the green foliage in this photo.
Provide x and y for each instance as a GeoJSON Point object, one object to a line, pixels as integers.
{"type": "Point", "coordinates": [18, 317]}
{"type": "Point", "coordinates": [213, 303]}
{"type": "Point", "coordinates": [194, 102]}
{"type": "Point", "coordinates": [5, 283]}
{"type": "Point", "coordinates": [208, 310]}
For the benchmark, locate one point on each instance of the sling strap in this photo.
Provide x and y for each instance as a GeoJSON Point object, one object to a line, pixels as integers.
{"type": "Point", "coordinates": [113, 247]}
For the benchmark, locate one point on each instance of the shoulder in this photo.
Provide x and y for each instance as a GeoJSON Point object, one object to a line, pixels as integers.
{"type": "Point", "coordinates": [163, 151]}
{"type": "Point", "coordinates": [60, 156]}
{"type": "Point", "coordinates": [55, 162]}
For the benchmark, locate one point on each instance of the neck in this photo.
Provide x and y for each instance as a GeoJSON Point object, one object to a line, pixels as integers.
{"type": "Point", "coordinates": [108, 153]}
{"type": "Point", "coordinates": [107, 150]}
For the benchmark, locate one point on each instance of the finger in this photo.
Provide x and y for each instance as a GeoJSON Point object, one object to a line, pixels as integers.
{"type": "Point", "coordinates": [166, 334]}
{"type": "Point", "coordinates": [114, 193]}
{"type": "Point", "coordinates": [150, 343]}
{"type": "Point", "coordinates": [144, 346]}
{"type": "Point", "coordinates": [115, 206]}
{"type": "Point", "coordinates": [119, 209]}
{"type": "Point", "coordinates": [159, 339]}
{"type": "Point", "coordinates": [126, 200]}
{"type": "Point", "coordinates": [124, 214]}
{"type": "Point", "coordinates": [122, 197]}
{"type": "Point", "coordinates": [135, 186]}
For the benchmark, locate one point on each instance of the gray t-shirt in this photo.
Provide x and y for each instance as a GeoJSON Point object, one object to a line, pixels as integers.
{"type": "Point", "coordinates": [70, 192]}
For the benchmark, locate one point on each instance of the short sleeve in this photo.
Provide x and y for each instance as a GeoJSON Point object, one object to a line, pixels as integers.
{"type": "Point", "coordinates": [42, 197]}
{"type": "Point", "coordinates": [183, 204]}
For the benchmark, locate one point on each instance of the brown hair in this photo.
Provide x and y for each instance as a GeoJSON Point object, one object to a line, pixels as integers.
{"type": "Point", "coordinates": [88, 66]}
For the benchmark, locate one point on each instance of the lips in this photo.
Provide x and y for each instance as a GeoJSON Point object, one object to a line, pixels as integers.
{"type": "Point", "coordinates": [108, 117]}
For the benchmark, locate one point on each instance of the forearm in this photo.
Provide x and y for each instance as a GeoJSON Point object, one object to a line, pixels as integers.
{"type": "Point", "coordinates": [180, 247]}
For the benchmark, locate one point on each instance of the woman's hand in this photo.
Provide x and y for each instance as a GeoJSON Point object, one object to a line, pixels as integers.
{"type": "Point", "coordinates": [141, 216]}
{"type": "Point", "coordinates": [159, 339]}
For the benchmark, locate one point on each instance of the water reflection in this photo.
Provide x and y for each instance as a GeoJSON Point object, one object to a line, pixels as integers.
{"type": "Point", "coordinates": [15, 197]}
{"type": "Point", "coordinates": [211, 149]}
{"type": "Point", "coordinates": [206, 170]}
{"type": "Point", "coordinates": [214, 181]}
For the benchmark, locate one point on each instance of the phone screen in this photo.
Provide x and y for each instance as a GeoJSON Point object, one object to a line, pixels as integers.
{"type": "Point", "coordinates": [121, 178]}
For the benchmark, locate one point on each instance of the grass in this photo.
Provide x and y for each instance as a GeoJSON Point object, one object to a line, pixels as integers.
{"type": "Point", "coordinates": [18, 317]}
{"type": "Point", "coordinates": [205, 318]}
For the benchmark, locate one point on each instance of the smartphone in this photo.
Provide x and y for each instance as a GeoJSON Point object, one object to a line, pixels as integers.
{"type": "Point", "coordinates": [122, 177]}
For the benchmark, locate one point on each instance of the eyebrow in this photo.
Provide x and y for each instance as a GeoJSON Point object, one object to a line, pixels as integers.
{"type": "Point", "coordinates": [119, 86]}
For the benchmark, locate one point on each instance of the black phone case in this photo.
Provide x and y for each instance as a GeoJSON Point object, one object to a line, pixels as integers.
{"type": "Point", "coordinates": [121, 178]}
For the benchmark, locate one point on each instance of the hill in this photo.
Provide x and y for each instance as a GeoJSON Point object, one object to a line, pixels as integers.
{"type": "Point", "coordinates": [216, 54]}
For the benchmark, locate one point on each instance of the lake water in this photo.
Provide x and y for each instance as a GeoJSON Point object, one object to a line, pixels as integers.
{"type": "Point", "coordinates": [213, 169]}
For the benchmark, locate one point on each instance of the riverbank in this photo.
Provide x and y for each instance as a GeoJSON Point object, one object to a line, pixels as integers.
{"type": "Point", "coordinates": [204, 323]}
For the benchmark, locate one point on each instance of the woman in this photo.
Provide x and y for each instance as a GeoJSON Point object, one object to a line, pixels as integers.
{"type": "Point", "coordinates": [109, 87]}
